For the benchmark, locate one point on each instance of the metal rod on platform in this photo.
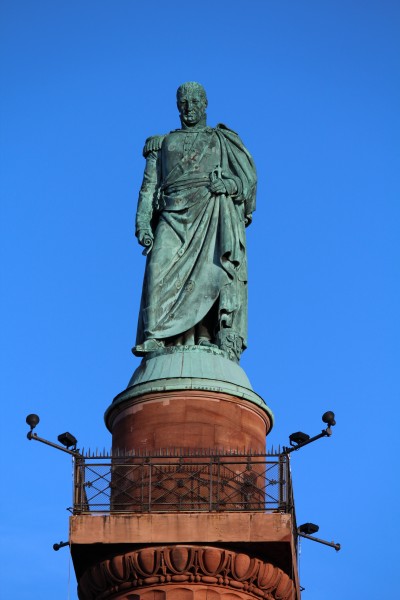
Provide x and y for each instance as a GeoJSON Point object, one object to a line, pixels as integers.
{"type": "Point", "coordinates": [324, 433]}
{"type": "Point", "coordinates": [315, 539]}
{"type": "Point", "coordinates": [34, 436]}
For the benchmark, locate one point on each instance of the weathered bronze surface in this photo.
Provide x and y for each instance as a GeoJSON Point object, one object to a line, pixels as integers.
{"type": "Point", "coordinates": [197, 196]}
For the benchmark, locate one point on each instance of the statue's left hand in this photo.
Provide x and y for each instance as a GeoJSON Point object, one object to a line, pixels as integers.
{"type": "Point", "coordinates": [218, 187]}
{"type": "Point", "coordinates": [222, 184]}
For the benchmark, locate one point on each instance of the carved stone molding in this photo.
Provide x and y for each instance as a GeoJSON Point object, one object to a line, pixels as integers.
{"type": "Point", "coordinates": [181, 572]}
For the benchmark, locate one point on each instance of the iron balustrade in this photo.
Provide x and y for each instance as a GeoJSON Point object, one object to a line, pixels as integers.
{"type": "Point", "coordinates": [185, 482]}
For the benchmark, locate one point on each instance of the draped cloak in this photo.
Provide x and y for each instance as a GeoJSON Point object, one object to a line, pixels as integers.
{"type": "Point", "coordinates": [198, 260]}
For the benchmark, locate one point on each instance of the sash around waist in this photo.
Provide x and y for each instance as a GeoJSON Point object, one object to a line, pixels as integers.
{"type": "Point", "coordinates": [186, 184]}
{"type": "Point", "coordinates": [181, 201]}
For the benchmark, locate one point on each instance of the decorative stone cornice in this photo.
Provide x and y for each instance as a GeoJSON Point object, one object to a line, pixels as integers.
{"type": "Point", "coordinates": [185, 565]}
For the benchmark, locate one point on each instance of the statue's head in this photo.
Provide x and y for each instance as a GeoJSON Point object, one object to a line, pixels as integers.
{"type": "Point", "coordinates": [192, 102]}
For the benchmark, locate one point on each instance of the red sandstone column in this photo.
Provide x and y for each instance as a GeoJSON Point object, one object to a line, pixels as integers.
{"type": "Point", "coordinates": [188, 419]}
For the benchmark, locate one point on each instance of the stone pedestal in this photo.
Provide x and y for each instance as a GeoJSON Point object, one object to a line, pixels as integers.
{"type": "Point", "coordinates": [190, 401]}
{"type": "Point", "coordinates": [189, 398]}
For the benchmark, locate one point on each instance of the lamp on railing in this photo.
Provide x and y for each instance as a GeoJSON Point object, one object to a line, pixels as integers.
{"type": "Point", "coordinates": [300, 439]}
{"type": "Point", "coordinates": [66, 439]}
{"type": "Point", "coordinates": [308, 529]}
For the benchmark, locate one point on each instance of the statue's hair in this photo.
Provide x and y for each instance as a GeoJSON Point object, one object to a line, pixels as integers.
{"type": "Point", "coordinates": [191, 86]}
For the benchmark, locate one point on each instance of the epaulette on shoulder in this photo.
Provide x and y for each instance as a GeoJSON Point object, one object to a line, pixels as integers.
{"type": "Point", "coordinates": [153, 144]}
{"type": "Point", "coordinates": [222, 126]}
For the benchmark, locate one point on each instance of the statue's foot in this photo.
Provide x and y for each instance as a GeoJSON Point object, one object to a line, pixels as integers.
{"type": "Point", "coordinates": [202, 341]}
{"type": "Point", "coordinates": [150, 345]}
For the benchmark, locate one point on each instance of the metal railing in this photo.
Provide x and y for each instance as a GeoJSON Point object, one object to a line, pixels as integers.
{"type": "Point", "coordinates": [184, 482]}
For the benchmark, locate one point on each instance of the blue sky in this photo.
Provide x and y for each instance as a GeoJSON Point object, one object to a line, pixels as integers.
{"type": "Point", "coordinates": [313, 89]}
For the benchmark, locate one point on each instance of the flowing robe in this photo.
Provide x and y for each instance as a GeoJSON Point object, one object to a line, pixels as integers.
{"type": "Point", "coordinates": [198, 260]}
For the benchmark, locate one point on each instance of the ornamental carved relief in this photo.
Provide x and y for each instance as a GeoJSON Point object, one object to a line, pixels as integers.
{"type": "Point", "coordinates": [182, 572]}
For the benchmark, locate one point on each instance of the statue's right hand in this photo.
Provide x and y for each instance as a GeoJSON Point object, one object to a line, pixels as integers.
{"type": "Point", "coordinates": [145, 238]}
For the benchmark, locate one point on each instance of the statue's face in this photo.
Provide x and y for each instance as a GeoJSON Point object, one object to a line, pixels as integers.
{"type": "Point", "coordinates": [192, 107]}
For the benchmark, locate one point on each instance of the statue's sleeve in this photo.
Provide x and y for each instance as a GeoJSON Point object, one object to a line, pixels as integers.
{"type": "Point", "coordinates": [150, 184]}
{"type": "Point", "coordinates": [237, 160]}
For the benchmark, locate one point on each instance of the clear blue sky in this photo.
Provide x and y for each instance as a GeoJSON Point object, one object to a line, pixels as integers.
{"type": "Point", "coordinates": [313, 89]}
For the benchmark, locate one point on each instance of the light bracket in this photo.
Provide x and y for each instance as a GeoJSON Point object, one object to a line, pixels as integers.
{"type": "Point", "coordinates": [300, 439]}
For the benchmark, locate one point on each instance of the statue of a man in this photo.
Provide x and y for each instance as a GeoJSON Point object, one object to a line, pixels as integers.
{"type": "Point", "coordinates": [197, 196]}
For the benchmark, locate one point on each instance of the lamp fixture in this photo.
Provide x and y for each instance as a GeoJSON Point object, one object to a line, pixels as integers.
{"type": "Point", "coordinates": [67, 439]}
{"type": "Point", "coordinates": [300, 439]}
{"type": "Point", "coordinates": [308, 528]}
{"type": "Point", "coordinates": [56, 547]}
{"type": "Point", "coordinates": [32, 420]}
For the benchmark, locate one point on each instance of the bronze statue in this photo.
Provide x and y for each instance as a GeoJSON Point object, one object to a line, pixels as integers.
{"type": "Point", "coordinates": [197, 196]}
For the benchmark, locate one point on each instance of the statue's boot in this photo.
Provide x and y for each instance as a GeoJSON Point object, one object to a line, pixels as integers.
{"type": "Point", "coordinates": [150, 345]}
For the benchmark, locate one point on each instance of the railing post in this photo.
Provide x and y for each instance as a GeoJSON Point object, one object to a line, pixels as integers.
{"type": "Point", "coordinates": [211, 484]}
{"type": "Point", "coordinates": [218, 505]}
{"type": "Point", "coordinates": [143, 466]}
{"type": "Point", "coordinates": [80, 499]}
{"type": "Point", "coordinates": [77, 489]}
{"type": "Point", "coordinates": [150, 484]}
{"type": "Point", "coordinates": [265, 493]}
{"type": "Point", "coordinates": [281, 475]}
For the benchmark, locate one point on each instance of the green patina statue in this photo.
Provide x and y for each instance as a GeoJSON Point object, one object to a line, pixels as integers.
{"type": "Point", "coordinates": [197, 196]}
